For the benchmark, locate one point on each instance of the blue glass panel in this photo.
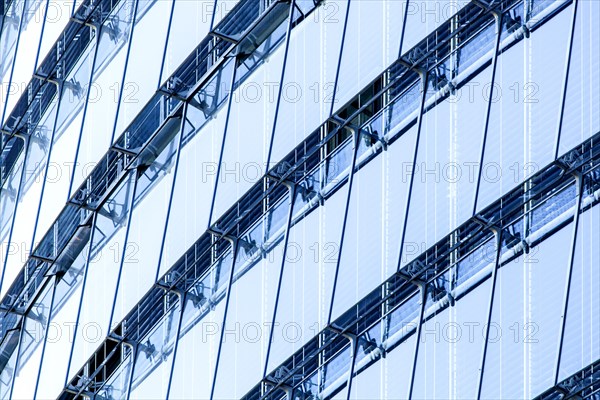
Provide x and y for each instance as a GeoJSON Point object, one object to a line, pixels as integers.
{"type": "Point", "coordinates": [525, 324]}
{"type": "Point", "coordinates": [30, 349]}
{"type": "Point", "coordinates": [581, 345]}
{"type": "Point", "coordinates": [247, 327]}
{"type": "Point", "coordinates": [307, 93]}
{"type": "Point", "coordinates": [525, 109]}
{"type": "Point", "coordinates": [371, 44]}
{"type": "Point", "coordinates": [451, 346]}
{"type": "Point", "coordinates": [376, 213]}
{"type": "Point", "coordinates": [144, 62]}
{"type": "Point", "coordinates": [108, 245]}
{"type": "Point", "coordinates": [99, 121]}
{"type": "Point", "coordinates": [582, 103]}
{"type": "Point", "coordinates": [201, 326]}
{"type": "Point", "coordinates": [246, 145]}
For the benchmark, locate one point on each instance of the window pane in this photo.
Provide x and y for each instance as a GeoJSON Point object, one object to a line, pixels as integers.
{"type": "Point", "coordinates": [581, 345]}
{"type": "Point", "coordinates": [307, 92]}
{"type": "Point", "coordinates": [246, 337]}
{"type": "Point", "coordinates": [29, 197]}
{"type": "Point", "coordinates": [451, 347]}
{"type": "Point", "coordinates": [525, 325]}
{"type": "Point", "coordinates": [582, 103]}
{"type": "Point", "coordinates": [32, 339]}
{"type": "Point", "coordinates": [64, 146]}
{"type": "Point", "coordinates": [144, 62]}
{"type": "Point", "coordinates": [201, 326]}
{"type": "Point", "coordinates": [371, 43]}
{"type": "Point", "coordinates": [103, 268]}
{"type": "Point", "coordinates": [57, 17]}
{"type": "Point", "coordinates": [147, 226]}
{"type": "Point", "coordinates": [308, 274]}
{"type": "Point", "coordinates": [99, 121]}
{"type": "Point", "coordinates": [388, 378]}
{"type": "Point", "coordinates": [194, 183]}
{"type": "Point", "coordinates": [60, 329]}
{"type": "Point", "coordinates": [525, 108]}
{"type": "Point", "coordinates": [190, 24]}
{"type": "Point", "coordinates": [247, 145]}
{"type": "Point", "coordinates": [374, 226]}
{"type": "Point", "coordinates": [29, 40]}
{"type": "Point", "coordinates": [443, 192]}
{"type": "Point", "coordinates": [424, 17]}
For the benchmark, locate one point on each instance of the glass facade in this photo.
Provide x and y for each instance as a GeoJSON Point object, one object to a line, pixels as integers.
{"type": "Point", "coordinates": [300, 199]}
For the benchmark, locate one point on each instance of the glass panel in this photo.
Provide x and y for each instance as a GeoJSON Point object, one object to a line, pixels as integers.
{"type": "Point", "coordinates": [29, 40]}
{"type": "Point", "coordinates": [60, 329]}
{"type": "Point", "coordinates": [308, 274]}
{"type": "Point", "coordinates": [32, 338]}
{"type": "Point", "coordinates": [144, 62]}
{"type": "Point", "coordinates": [29, 197]}
{"type": "Point", "coordinates": [374, 225]}
{"type": "Point", "coordinates": [371, 43]}
{"type": "Point", "coordinates": [99, 121]}
{"type": "Point", "coordinates": [582, 103]}
{"type": "Point", "coordinates": [10, 343]}
{"type": "Point", "coordinates": [525, 325]}
{"type": "Point", "coordinates": [247, 145]}
{"type": "Point", "coordinates": [525, 109]}
{"type": "Point", "coordinates": [581, 345]}
{"type": "Point", "coordinates": [200, 333]}
{"type": "Point", "coordinates": [147, 226]}
{"type": "Point", "coordinates": [8, 199]}
{"type": "Point", "coordinates": [57, 16]}
{"type": "Point", "coordinates": [451, 347]}
{"type": "Point", "coordinates": [190, 24]}
{"type": "Point", "coordinates": [153, 362]}
{"type": "Point", "coordinates": [389, 377]}
{"type": "Point", "coordinates": [307, 93]}
{"type": "Point", "coordinates": [8, 42]}
{"type": "Point", "coordinates": [194, 184]}
{"type": "Point", "coordinates": [106, 255]}
{"type": "Point", "coordinates": [247, 327]}
{"type": "Point", "coordinates": [424, 17]}
{"type": "Point", "coordinates": [446, 171]}
{"type": "Point", "coordinates": [64, 145]}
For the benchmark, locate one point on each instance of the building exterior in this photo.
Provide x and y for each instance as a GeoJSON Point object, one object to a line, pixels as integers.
{"type": "Point", "coordinates": [300, 199]}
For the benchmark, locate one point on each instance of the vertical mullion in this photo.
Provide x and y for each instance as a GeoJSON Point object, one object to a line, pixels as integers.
{"type": "Point", "coordinates": [563, 321]}
{"type": "Point", "coordinates": [563, 98]}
